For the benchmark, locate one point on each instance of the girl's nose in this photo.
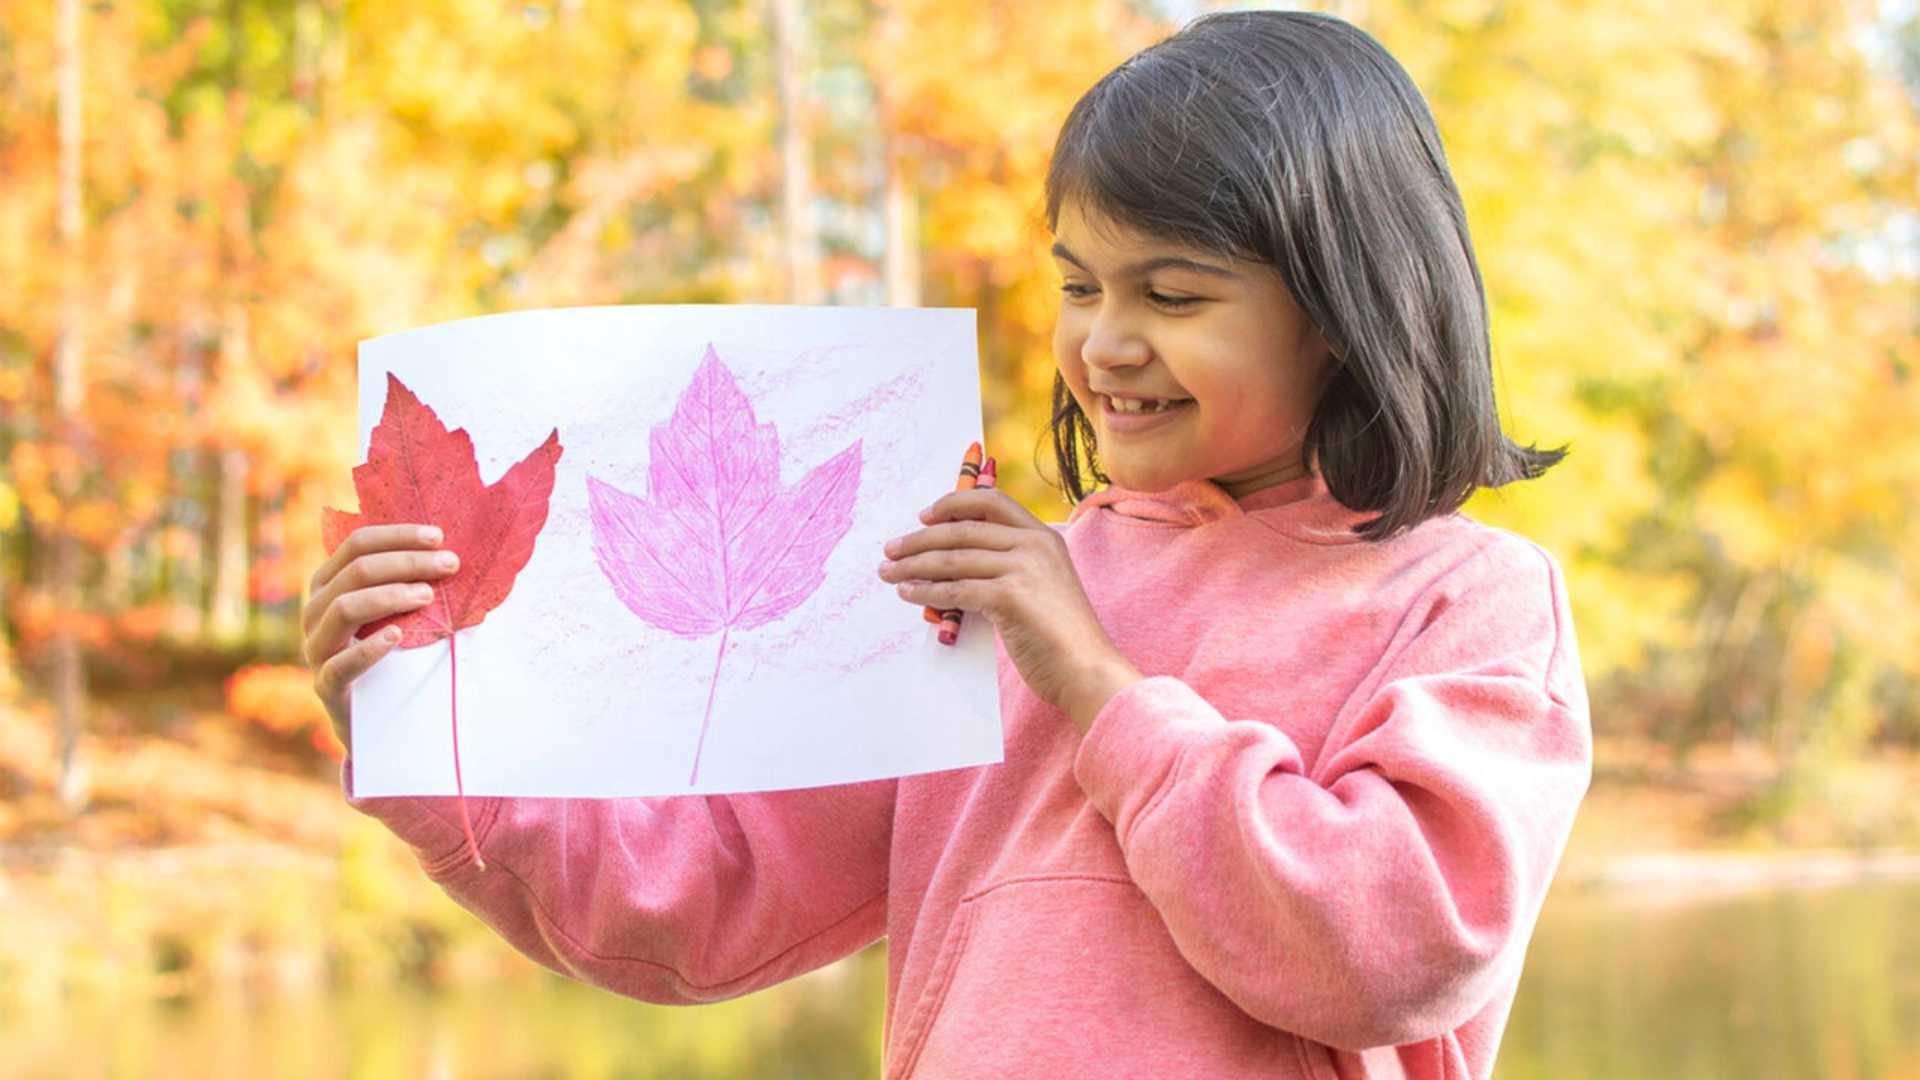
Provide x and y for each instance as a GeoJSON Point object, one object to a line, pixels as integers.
{"type": "Point", "coordinates": [1113, 343]}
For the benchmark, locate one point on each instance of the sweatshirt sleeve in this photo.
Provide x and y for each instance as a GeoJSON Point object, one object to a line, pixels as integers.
{"type": "Point", "coordinates": [1382, 898]}
{"type": "Point", "coordinates": [677, 900]}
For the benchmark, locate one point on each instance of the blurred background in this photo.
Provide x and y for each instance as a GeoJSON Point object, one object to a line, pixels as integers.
{"type": "Point", "coordinates": [1700, 233]}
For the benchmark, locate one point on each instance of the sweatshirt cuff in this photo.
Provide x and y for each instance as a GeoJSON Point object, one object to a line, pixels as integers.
{"type": "Point", "coordinates": [430, 824]}
{"type": "Point", "coordinates": [1130, 755]}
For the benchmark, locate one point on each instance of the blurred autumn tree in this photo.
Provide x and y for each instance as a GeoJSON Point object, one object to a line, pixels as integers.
{"type": "Point", "coordinates": [1686, 216]}
{"type": "Point", "coordinates": [1696, 225]}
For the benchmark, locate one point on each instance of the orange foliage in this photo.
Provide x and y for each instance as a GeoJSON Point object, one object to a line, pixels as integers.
{"type": "Point", "coordinates": [280, 698]}
{"type": "Point", "coordinates": [36, 619]}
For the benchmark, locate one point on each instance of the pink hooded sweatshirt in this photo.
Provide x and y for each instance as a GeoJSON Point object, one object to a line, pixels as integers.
{"type": "Point", "coordinates": [1312, 843]}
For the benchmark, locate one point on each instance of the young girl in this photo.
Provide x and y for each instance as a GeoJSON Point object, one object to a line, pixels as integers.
{"type": "Point", "coordinates": [1293, 747]}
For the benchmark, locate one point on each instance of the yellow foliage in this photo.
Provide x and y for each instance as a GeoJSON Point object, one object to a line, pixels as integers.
{"type": "Point", "coordinates": [1672, 205]}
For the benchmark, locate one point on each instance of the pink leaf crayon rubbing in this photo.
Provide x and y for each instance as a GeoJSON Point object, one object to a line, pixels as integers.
{"type": "Point", "coordinates": [717, 546]}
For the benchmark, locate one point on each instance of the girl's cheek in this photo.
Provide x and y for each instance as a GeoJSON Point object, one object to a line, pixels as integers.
{"type": "Point", "coordinates": [1076, 379]}
{"type": "Point", "coordinates": [1070, 327]}
{"type": "Point", "coordinates": [1066, 356]}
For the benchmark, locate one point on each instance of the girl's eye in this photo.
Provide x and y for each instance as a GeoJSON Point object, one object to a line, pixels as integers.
{"type": "Point", "coordinates": [1175, 302]}
{"type": "Point", "coordinates": [1077, 291]}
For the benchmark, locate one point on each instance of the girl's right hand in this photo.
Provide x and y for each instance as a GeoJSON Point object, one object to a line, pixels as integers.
{"type": "Point", "coordinates": [379, 570]}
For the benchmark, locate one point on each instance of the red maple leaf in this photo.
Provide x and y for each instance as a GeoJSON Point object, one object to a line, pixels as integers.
{"type": "Point", "coordinates": [418, 472]}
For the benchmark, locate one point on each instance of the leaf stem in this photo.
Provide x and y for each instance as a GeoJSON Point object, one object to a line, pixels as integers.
{"type": "Point", "coordinates": [711, 687]}
{"type": "Point", "coordinates": [453, 690]}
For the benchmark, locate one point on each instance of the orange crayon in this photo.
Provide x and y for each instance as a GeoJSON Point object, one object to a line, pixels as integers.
{"type": "Point", "coordinates": [969, 473]}
{"type": "Point", "coordinates": [950, 621]}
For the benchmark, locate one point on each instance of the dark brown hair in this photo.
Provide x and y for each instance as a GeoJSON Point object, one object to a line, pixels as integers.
{"type": "Point", "coordinates": [1295, 140]}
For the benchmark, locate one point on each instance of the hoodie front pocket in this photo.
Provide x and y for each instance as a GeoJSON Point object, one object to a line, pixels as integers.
{"type": "Point", "coordinates": [1064, 976]}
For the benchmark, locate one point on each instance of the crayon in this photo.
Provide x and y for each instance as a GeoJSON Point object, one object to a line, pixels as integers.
{"type": "Point", "coordinates": [969, 472]}
{"type": "Point", "coordinates": [950, 625]}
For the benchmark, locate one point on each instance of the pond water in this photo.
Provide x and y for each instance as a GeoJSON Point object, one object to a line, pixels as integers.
{"type": "Point", "coordinates": [1804, 983]}
{"type": "Point", "coordinates": [1816, 983]}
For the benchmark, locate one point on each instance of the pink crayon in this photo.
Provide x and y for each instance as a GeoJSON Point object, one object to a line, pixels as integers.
{"type": "Point", "coordinates": [950, 622]}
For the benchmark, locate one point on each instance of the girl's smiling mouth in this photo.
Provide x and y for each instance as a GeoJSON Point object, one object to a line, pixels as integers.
{"type": "Point", "coordinates": [1129, 415]}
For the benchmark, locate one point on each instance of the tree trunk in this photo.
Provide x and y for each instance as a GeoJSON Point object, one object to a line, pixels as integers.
{"type": "Point", "coordinates": [231, 602]}
{"type": "Point", "coordinates": [903, 229]}
{"type": "Point", "coordinates": [184, 545]}
{"type": "Point", "coordinates": [70, 681]}
{"type": "Point", "coordinates": [228, 621]}
{"type": "Point", "coordinates": [802, 238]}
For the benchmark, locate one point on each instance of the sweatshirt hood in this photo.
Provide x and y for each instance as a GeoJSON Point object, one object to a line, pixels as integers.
{"type": "Point", "coordinates": [1302, 508]}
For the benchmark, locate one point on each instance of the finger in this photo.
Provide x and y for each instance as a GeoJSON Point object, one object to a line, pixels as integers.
{"type": "Point", "coordinates": [368, 539]}
{"type": "Point", "coordinates": [337, 674]}
{"type": "Point", "coordinates": [946, 565]}
{"type": "Point", "coordinates": [954, 534]}
{"type": "Point", "coordinates": [351, 611]}
{"type": "Point", "coordinates": [967, 595]}
{"type": "Point", "coordinates": [379, 568]}
{"type": "Point", "coordinates": [985, 504]}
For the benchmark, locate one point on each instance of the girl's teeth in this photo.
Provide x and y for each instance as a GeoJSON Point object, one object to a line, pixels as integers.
{"type": "Point", "coordinates": [1135, 405]}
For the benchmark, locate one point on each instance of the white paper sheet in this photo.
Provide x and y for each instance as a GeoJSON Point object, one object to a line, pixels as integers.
{"type": "Point", "coordinates": [564, 690]}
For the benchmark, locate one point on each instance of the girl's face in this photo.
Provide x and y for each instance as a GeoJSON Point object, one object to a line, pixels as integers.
{"type": "Point", "coordinates": [1223, 340]}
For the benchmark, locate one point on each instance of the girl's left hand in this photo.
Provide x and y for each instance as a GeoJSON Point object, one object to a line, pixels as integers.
{"type": "Point", "coordinates": [982, 551]}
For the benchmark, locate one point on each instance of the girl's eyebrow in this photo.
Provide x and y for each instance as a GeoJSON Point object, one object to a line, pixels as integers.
{"type": "Point", "coordinates": [1147, 266]}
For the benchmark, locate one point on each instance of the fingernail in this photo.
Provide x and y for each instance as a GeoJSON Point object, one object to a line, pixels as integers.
{"type": "Point", "coordinates": [447, 560]}
{"type": "Point", "coordinates": [390, 634]}
{"type": "Point", "coordinates": [429, 535]}
{"type": "Point", "coordinates": [892, 546]}
{"type": "Point", "coordinates": [423, 593]}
